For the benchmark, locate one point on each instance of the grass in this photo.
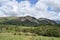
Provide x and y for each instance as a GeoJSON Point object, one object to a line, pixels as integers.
{"type": "Point", "coordinates": [10, 36]}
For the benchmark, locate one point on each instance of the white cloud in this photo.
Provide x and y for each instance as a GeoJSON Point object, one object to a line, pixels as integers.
{"type": "Point", "coordinates": [13, 8]}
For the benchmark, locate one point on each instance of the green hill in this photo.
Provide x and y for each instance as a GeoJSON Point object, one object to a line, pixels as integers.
{"type": "Point", "coordinates": [27, 21]}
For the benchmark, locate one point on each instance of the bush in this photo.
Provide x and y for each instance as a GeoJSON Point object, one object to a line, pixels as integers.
{"type": "Point", "coordinates": [19, 33]}
{"type": "Point", "coordinates": [15, 33]}
{"type": "Point", "coordinates": [47, 31]}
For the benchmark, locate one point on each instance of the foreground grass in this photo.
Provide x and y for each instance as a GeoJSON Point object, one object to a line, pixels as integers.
{"type": "Point", "coordinates": [11, 36]}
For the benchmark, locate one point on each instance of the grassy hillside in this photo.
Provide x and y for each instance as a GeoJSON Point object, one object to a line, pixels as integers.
{"type": "Point", "coordinates": [26, 21]}
{"type": "Point", "coordinates": [28, 28]}
{"type": "Point", "coordinates": [10, 36]}
{"type": "Point", "coordinates": [44, 30]}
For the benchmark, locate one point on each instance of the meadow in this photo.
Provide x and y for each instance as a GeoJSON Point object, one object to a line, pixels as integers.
{"type": "Point", "coordinates": [17, 32]}
{"type": "Point", "coordinates": [10, 36]}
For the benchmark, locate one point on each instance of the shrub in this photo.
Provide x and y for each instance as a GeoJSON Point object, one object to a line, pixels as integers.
{"type": "Point", "coordinates": [15, 33]}
{"type": "Point", "coordinates": [19, 33]}
{"type": "Point", "coordinates": [47, 31]}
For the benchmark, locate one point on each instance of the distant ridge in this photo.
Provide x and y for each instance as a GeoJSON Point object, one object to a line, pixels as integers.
{"type": "Point", "coordinates": [26, 20]}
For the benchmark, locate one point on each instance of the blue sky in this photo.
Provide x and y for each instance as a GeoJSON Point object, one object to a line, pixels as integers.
{"type": "Point", "coordinates": [38, 8]}
{"type": "Point", "coordinates": [20, 0]}
{"type": "Point", "coordinates": [33, 2]}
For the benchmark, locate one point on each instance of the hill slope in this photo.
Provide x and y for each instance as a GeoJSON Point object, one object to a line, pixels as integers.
{"type": "Point", "coordinates": [47, 21]}
{"type": "Point", "coordinates": [27, 20]}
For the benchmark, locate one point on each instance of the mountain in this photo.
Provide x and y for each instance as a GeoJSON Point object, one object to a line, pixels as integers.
{"type": "Point", "coordinates": [47, 21]}
{"type": "Point", "coordinates": [27, 21]}
{"type": "Point", "coordinates": [58, 21]}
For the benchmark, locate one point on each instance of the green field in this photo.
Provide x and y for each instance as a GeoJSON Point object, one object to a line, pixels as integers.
{"type": "Point", "coordinates": [42, 32]}
{"type": "Point", "coordinates": [10, 36]}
